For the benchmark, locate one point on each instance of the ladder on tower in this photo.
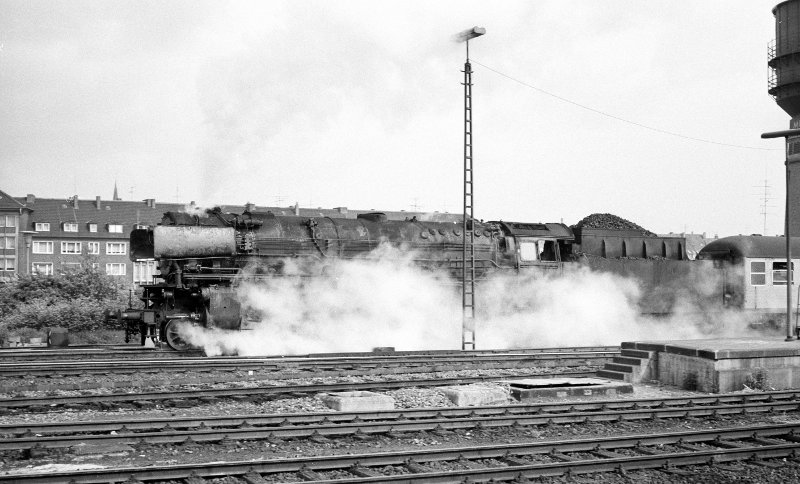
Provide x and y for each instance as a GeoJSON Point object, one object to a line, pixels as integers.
{"type": "Point", "coordinates": [468, 247]}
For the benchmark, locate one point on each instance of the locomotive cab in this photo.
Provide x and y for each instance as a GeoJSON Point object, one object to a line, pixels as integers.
{"type": "Point", "coordinates": [535, 245]}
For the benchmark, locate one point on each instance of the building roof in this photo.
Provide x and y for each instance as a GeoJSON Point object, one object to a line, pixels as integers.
{"type": "Point", "coordinates": [57, 211]}
{"type": "Point", "coordinates": [101, 212]}
{"type": "Point", "coordinates": [7, 202]}
{"type": "Point", "coordinates": [740, 246]}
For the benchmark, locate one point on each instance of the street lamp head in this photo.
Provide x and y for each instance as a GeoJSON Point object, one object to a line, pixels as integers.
{"type": "Point", "coordinates": [781, 134]}
{"type": "Point", "coordinates": [469, 34]}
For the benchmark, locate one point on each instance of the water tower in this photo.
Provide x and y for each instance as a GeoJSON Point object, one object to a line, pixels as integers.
{"type": "Point", "coordinates": [784, 86]}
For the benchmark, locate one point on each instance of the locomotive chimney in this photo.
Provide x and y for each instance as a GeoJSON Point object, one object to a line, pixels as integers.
{"type": "Point", "coordinates": [784, 87]}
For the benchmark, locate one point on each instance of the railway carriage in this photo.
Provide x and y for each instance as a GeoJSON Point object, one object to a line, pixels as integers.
{"type": "Point", "coordinates": [754, 271]}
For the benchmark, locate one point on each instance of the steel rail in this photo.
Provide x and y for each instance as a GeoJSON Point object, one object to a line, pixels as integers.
{"type": "Point", "coordinates": [591, 455]}
{"type": "Point", "coordinates": [275, 390]}
{"type": "Point", "coordinates": [265, 428]}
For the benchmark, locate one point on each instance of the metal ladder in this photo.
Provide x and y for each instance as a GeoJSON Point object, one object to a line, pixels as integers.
{"type": "Point", "coordinates": [468, 248]}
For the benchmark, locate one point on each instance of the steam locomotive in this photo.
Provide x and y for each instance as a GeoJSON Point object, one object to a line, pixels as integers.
{"type": "Point", "coordinates": [203, 256]}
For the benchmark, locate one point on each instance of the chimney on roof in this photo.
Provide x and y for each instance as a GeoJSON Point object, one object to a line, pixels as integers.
{"type": "Point", "coordinates": [249, 207]}
{"type": "Point", "coordinates": [74, 201]}
{"type": "Point", "coordinates": [30, 198]}
{"type": "Point", "coordinates": [296, 209]}
{"type": "Point", "coordinates": [150, 202]}
{"type": "Point", "coordinates": [97, 202]}
{"type": "Point", "coordinates": [341, 210]}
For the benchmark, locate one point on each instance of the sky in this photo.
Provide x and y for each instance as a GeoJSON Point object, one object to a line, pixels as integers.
{"type": "Point", "coordinates": [359, 104]}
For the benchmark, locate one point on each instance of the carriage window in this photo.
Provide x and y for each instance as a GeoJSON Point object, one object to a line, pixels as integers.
{"type": "Point", "coordinates": [779, 274]}
{"type": "Point", "coordinates": [758, 273]}
{"type": "Point", "coordinates": [528, 250]}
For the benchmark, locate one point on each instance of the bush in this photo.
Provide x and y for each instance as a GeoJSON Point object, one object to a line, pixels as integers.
{"type": "Point", "coordinates": [75, 300]}
{"type": "Point", "coordinates": [759, 380]}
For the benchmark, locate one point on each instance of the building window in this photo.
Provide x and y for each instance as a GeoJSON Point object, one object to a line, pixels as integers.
{"type": "Point", "coordinates": [8, 243]}
{"type": "Point", "coordinates": [140, 226]}
{"type": "Point", "coordinates": [143, 272]}
{"type": "Point", "coordinates": [93, 248]}
{"type": "Point", "coordinates": [116, 248]}
{"type": "Point", "coordinates": [70, 227]}
{"type": "Point", "coordinates": [8, 221]}
{"type": "Point", "coordinates": [43, 268]}
{"type": "Point", "coordinates": [8, 263]}
{"type": "Point", "coordinates": [116, 269]}
{"type": "Point", "coordinates": [42, 247]}
{"type": "Point", "coordinates": [115, 228]}
{"type": "Point", "coordinates": [70, 247]}
{"type": "Point", "coordinates": [42, 226]}
{"type": "Point", "coordinates": [70, 266]}
{"type": "Point", "coordinates": [779, 274]}
{"type": "Point", "coordinates": [758, 273]}
{"type": "Point", "coordinates": [92, 227]}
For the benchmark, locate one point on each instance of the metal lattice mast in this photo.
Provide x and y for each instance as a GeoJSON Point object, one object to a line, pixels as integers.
{"type": "Point", "coordinates": [468, 228]}
{"type": "Point", "coordinates": [468, 247]}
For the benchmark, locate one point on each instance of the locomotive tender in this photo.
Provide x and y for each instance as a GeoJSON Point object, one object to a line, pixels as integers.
{"type": "Point", "coordinates": [202, 257]}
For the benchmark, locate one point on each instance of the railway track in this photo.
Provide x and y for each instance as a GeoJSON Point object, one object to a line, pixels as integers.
{"type": "Point", "coordinates": [252, 393]}
{"type": "Point", "coordinates": [43, 354]}
{"type": "Point", "coordinates": [666, 451]}
{"type": "Point", "coordinates": [406, 362]}
{"type": "Point", "coordinates": [216, 429]}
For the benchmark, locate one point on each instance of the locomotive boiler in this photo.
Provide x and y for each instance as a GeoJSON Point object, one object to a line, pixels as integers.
{"type": "Point", "coordinates": [202, 257]}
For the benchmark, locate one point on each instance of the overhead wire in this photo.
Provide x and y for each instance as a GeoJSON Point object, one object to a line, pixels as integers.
{"type": "Point", "coordinates": [618, 118]}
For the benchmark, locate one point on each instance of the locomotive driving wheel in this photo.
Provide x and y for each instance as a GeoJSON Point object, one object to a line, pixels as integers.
{"type": "Point", "coordinates": [173, 336]}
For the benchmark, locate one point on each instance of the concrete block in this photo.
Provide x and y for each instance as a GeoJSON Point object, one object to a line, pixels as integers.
{"type": "Point", "coordinates": [476, 395]}
{"type": "Point", "coordinates": [358, 401]}
{"type": "Point", "coordinates": [534, 388]}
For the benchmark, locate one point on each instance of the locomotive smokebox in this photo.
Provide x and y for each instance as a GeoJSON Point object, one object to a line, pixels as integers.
{"type": "Point", "coordinates": [177, 242]}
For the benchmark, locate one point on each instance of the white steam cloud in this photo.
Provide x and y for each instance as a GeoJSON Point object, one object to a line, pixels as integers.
{"type": "Point", "coordinates": [386, 300]}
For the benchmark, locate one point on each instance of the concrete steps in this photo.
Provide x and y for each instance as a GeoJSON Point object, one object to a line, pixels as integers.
{"type": "Point", "coordinates": [632, 366]}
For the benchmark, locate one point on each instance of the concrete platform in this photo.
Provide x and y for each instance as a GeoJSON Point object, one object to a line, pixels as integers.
{"type": "Point", "coordinates": [358, 401]}
{"type": "Point", "coordinates": [724, 364]}
{"type": "Point", "coordinates": [533, 388]}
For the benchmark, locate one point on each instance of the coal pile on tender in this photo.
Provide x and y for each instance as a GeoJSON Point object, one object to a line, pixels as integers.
{"type": "Point", "coordinates": [609, 221]}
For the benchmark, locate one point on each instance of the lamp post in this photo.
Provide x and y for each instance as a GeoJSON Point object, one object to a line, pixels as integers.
{"type": "Point", "coordinates": [468, 229]}
{"type": "Point", "coordinates": [790, 158]}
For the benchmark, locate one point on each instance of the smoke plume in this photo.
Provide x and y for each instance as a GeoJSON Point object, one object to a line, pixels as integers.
{"type": "Point", "coordinates": [385, 299]}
